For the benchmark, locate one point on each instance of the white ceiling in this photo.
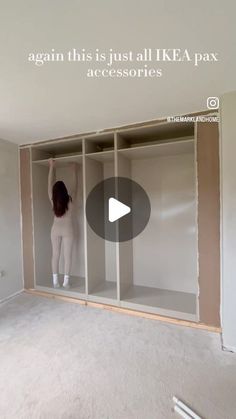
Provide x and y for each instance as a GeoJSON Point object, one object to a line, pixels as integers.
{"type": "Point", "coordinates": [57, 99]}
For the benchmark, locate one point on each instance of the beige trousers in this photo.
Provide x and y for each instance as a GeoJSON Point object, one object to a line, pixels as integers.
{"type": "Point", "coordinates": [67, 241]}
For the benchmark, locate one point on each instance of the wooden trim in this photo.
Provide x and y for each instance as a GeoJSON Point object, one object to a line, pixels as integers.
{"type": "Point", "coordinates": [144, 315]}
{"type": "Point", "coordinates": [55, 296]}
{"type": "Point", "coordinates": [209, 222]}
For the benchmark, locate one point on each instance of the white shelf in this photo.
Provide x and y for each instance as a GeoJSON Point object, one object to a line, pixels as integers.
{"type": "Point", "coordinates": [177, 301]}
{"type": "Point", "coordinates": [139, 152]}
{"type": "Point", "coordinates": [106, 289]}
{"type": "Point", "coordinates": [77, 285]}
{"type": "Point", "coordinates": [60, 146]}
{"type": "Point", "coordinates": [161, 128]}
{"type": "Point", "coordinates": [60, 161]}
{"type": "Point", "coordinates": [172, 148]}
{"type": "Point", "coordinates": [102, 156]}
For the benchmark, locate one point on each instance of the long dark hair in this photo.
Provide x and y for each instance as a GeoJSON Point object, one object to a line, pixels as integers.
{"type": "Point", "coordinates": [60, 198]}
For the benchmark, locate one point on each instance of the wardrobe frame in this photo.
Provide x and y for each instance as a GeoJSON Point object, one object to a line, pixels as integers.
{"type": "Point", "coordinates": [206, 139]}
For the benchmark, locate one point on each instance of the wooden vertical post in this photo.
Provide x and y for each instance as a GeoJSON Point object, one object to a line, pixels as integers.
{"type": "Point", "coordinates": [208, 222]}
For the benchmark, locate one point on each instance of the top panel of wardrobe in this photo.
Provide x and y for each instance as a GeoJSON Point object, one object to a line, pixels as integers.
{"type": "Point", "coordinates": [104, 142]}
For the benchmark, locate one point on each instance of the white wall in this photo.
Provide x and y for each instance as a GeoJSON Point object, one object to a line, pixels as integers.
{"type": "Point", "coordinates": [228, 219]}
{"type": "Point", "coordinates": [10, 235]}
{"type": "Point", "coordinates": [165, 253]}
{"type": "Point", "coordinates": [64, 101]}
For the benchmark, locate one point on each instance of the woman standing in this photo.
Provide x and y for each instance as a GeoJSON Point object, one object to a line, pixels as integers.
{"type": "Point", "coordinates": [62, 228]}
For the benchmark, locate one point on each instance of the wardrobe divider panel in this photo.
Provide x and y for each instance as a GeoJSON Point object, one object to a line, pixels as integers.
{"type": "Point", "coordinates": [125, 249]}
{"type": "Point", "coordinates": [85, 220]}
{"type": "Point", "coordinates": [117, 244]}
{"type": "Point", "coordinates": [43, 219]}
{"type": "Point", "coordinates": [27, 217]}
{"type": "Point", "coordinates": [95, 244]}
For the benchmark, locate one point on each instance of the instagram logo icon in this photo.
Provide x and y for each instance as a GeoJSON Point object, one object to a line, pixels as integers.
{"type": "Point", "coordinates": [213, 102]}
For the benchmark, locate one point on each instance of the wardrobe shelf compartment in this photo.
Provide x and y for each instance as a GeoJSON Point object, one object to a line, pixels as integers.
{"type": "Point", "coordinates": [57, 148]}
{"type": "Point", "coordinates": [99, 143]}
{"type": "Point", "coordinates": [158, 268]}
{"type": "Point", "coordinates": [77, 285]}
{"type": "Point", "coordinates": [181, 302]}
{"type": "Point", "coordinates": [61, 161]}
{"type": "Point", "coordinates": [169, 148]}
{"type": "Point", "coordinates": [43, 220]}
{"type": "Point", "coordinates": [106, 289]}
{"type": "Point", "coordinates": [101, 253]}
{"type": "Point", "coordinates": [154, 134]}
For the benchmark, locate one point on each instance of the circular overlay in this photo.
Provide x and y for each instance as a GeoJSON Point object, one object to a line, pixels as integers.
{"type": "Point", "coordinates": [124, 202]}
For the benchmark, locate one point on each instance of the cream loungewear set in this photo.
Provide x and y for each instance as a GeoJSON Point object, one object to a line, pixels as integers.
{"type": "Point", "coordinates": [61, 232]}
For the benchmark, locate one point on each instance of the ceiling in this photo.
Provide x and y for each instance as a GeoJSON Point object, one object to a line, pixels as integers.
{"type": "Point", "coordinates": [57, 99]}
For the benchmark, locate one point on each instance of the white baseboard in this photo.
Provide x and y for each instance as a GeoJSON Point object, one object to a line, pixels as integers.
{"type": "Point", "coordinates": [11, 296]}
{"type": "Point", "coordinates": [229, 349]}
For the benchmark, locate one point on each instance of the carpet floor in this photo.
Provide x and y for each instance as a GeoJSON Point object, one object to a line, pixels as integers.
{"type": "Point", "coordinates": [60, 360]}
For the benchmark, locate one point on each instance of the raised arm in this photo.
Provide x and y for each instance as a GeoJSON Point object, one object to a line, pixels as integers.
{"type": "Point", "coordinates": [50, 179]}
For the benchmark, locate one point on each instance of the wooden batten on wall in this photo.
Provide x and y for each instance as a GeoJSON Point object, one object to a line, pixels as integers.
{"type": "Point", "coordinates": [208, 222]}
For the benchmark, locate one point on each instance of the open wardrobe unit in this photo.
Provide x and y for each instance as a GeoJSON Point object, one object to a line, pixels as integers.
{"type": "Point", "coordinates": [172, 267]}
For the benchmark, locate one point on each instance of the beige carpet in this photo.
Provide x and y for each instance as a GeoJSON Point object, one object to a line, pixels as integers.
{"type": "Point", "coordinates": [62, 360]}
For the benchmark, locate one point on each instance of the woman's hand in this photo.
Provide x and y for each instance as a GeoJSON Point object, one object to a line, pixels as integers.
{"type": "Point", "coordinates": [51, 162]}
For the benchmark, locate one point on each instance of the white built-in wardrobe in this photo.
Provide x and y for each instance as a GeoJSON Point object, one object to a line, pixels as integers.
{"type": "Point", "coordinates": [157, 271]}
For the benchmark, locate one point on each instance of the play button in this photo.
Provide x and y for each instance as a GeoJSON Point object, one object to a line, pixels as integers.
{"type": "Point", "coordinates": [117, 209]}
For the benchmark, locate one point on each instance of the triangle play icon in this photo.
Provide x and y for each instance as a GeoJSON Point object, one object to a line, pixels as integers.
{"type": "Point", "coordinates": [117, 210]}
